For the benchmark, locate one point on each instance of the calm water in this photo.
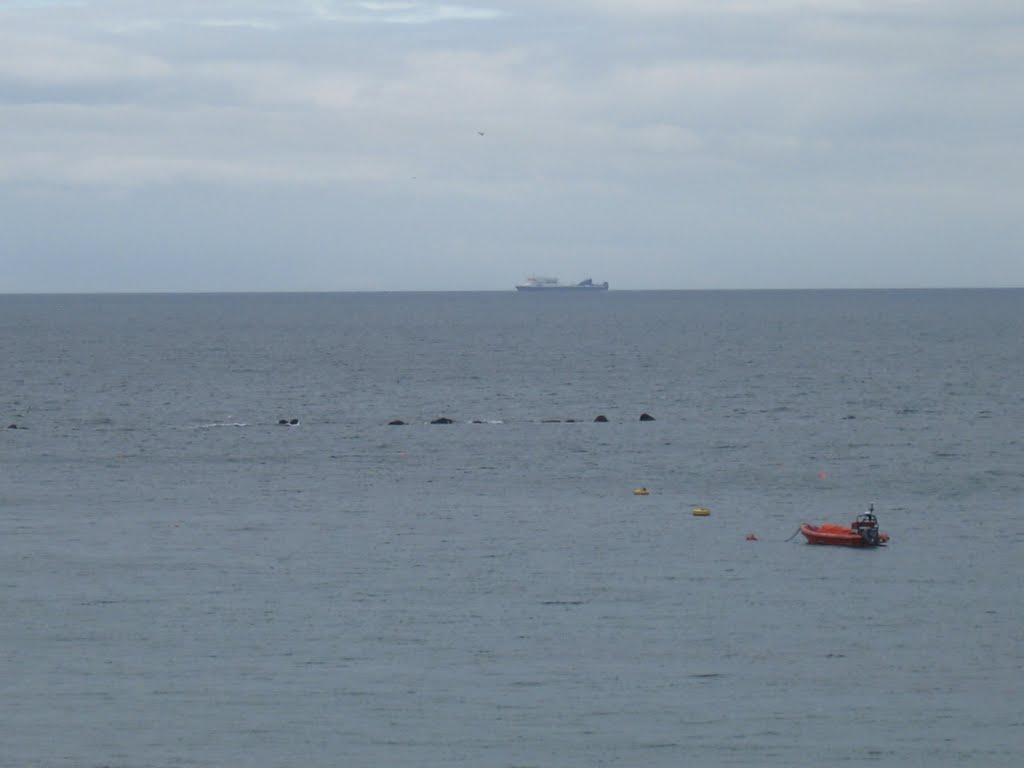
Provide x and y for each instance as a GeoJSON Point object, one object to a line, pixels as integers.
{"type": "Point", "coordinates": [184, 582]}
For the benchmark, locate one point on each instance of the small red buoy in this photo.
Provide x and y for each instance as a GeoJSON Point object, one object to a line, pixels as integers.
{"type": "Point", "coordinates": [751, 537]}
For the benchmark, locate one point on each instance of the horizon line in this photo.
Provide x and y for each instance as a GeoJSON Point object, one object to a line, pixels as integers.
{"type": "Point", "coordinates": [148, 292]}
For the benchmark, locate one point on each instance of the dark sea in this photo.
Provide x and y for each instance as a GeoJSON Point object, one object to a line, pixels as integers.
{"type": "Point", "coordinates": [186, 583]}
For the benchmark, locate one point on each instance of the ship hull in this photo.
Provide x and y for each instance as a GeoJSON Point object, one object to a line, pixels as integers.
{"type": "Point", "coordinates": [838, 535]}
{"type": "Point", "coordinates": [562, 288]}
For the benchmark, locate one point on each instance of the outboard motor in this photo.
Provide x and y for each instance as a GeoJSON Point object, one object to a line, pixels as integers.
{"type": "Point", "coordinates": [870, 536]}
{"type": "Point", "coordinates": [867, 526]}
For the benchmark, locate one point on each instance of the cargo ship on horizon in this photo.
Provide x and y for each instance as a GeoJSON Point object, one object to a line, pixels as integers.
{"type": "Point", "coordinates": [552, 284]}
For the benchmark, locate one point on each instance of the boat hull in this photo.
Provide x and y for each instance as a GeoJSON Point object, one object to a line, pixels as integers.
{"type": "Point", "coordinates": [837, 535]}
{"type": "Point", "coordinates": [562, 288]}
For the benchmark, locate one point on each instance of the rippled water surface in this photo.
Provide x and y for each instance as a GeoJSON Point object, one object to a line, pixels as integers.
{"type": "Point", "coordinates": [185, 582]}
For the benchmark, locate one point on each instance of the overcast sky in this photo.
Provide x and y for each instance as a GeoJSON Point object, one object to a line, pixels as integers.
{"type": "Point", "coordinates": [211, 145]}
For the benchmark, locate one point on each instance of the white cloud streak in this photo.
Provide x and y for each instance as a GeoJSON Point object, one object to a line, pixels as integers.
{"type": "Point", "coordinates": [46, 60]}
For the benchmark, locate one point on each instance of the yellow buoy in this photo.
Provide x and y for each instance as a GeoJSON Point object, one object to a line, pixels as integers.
{"type": "Point", "coordinates": [640, 492]}
{"type": "Point", "coordinates": [701, 512]}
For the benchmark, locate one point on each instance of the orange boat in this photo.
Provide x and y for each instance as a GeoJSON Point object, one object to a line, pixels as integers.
{"type": "Point", "coordinates": [862, 532]}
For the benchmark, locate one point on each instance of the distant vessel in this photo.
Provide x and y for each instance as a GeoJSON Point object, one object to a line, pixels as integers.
{"type": "Point", "coordinates": [552, 284]}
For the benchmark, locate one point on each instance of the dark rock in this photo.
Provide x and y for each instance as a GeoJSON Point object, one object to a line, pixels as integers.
{"type": "Point", "coordinates": [601, 419]}
{"type": "Point", "coordinates": [442, 420]}
{"type": "Point", "coordinates": [646, 417]}
{"type": "Point", "coordinates": [396, 423]}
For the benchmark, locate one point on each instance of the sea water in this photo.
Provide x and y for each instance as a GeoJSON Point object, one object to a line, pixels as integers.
{"type": "Point", "coordinates": [187, 582]}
